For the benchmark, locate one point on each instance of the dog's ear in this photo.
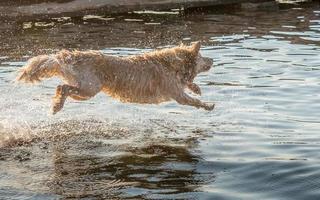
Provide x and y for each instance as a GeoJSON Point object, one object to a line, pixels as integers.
{"type": "Point", "coordinates": [195, 47]}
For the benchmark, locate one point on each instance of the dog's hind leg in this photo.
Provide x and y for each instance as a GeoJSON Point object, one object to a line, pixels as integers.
{"type": "Point", "coordinates": [185, 99]}
{"type": "Point", "coordinates": [63, 91]}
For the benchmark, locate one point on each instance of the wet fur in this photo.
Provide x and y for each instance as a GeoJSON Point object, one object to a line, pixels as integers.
{"type": "Point", "coordinates": [151, 78]}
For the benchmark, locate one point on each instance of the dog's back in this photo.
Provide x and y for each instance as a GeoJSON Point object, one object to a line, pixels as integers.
{"type": "Point", "coordinates": [133, 79]}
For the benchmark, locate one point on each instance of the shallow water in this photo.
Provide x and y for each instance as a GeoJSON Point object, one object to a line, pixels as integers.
{"type": "Point", "coordinates": [260, 142]}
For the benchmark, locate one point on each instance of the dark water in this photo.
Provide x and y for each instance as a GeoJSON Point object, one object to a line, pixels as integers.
{"type": "Point", "coordinates": [261, 142]}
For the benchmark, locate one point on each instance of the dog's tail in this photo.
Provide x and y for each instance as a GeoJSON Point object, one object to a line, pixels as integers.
{"type": "Point", "coordinates": [37, 68]}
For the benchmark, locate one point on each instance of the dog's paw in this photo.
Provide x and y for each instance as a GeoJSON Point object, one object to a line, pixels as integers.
{"type": "Point", "coordinates": [209, 107]}
{"type": "Point", "coordinates": [55, 108]}
{"type": "Point", "coordinates": [57, 105]}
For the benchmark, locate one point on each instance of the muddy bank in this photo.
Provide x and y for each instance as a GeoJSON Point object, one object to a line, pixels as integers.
{"type": "Point", "coordinates": [136, 30]}
{"type": "Point", "coordinates": [41, 9]}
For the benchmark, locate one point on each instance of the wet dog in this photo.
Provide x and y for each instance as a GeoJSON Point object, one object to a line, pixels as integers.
{"type": "Point", "coordinates": [150, 78]}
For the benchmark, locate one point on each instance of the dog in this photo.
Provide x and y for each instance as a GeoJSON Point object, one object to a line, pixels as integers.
{"type": "Point", "coordinates": [150, 78]}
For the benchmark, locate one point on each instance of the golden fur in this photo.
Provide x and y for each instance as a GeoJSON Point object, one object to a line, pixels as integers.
{"type": "Point", "coordinates": [152, 77]}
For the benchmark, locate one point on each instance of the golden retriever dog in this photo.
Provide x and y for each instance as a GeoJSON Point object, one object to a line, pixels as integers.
{"type": "Point", "coordinates": [150, 78]}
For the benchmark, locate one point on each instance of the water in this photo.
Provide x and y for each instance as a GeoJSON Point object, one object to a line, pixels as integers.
{"type": "Point", "coordinates": [260, 142]}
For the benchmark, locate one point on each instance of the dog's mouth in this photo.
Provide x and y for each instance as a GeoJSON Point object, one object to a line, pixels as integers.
{"type": "Point", "coordinates": [209, 63]}
{"type": "Point", "coordinates": [205, 65]}
{"type": "Point", "coordinates": [207, 68]}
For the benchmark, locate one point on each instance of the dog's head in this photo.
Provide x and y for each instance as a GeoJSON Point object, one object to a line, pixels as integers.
{"type": "Point", "coordinates": [185, 61]}
{"type": "Point", "coordinates": [199, 63]}
{"type": "Point", "coordinates": [189, 61]}
{"type": "Point", "coordinates": [202, 64]}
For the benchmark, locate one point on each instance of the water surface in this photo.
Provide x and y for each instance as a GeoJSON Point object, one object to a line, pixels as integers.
{"type": "Point", "coordinates": [260, 142]}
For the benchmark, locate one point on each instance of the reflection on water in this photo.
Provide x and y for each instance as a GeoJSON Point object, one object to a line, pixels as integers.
{"type": "Point", "coordinates": [261, 141]}
{"type": "Point", "coordinates": [103, 164]}
{"type": "Point", "coordinates": [156, 169]}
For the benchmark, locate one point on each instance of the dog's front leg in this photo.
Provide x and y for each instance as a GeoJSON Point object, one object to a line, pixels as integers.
{"type": "Point", "coordinates": [62, 92]}
{"type": "Point", "coordinates": [194, 88]}
{"type": "Point", "coordinates": [185, 99]}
